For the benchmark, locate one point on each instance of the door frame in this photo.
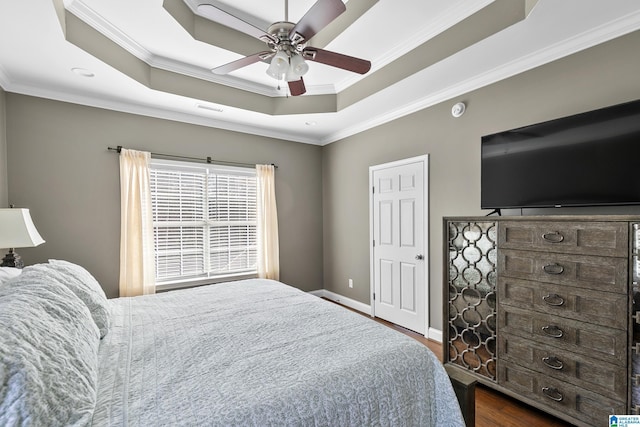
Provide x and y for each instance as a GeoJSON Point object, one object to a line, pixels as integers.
{"type": "Point", "coordinates": [425, 161]}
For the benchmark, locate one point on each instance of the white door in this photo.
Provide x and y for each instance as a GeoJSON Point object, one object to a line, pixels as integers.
{"type": "Point", "coordinates": [399, 241]}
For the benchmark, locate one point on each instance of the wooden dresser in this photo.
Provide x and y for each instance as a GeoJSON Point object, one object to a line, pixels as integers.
{"type": "Point", "coordinates": [540, 309]}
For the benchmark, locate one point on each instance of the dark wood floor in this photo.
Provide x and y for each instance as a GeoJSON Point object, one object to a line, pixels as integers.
{"type": "Point", "coordinates": [493, 409]}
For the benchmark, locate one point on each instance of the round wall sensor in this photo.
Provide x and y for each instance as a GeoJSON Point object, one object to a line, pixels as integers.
{"type": "Point", "coordinates": [458, 109]}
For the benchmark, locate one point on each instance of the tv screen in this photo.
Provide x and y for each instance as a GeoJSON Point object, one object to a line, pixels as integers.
{"type": "Point", "coordinates": [589, 159]}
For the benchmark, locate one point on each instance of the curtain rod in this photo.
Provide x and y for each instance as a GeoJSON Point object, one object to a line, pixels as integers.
{"type": "Point", "coordinates": [119, 148]}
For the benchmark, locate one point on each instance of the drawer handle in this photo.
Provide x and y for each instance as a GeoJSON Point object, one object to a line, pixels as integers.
{"type": "Point", "coordinates": [553, 237]}
{"type": "Point", "coordinates": [552, 393]}
{"type": "Point", "coordinates": [553, 331]}
{"type": "Point", "coordinates": [554, 268]}
{"type": "Point", "coordinates": [553, 299]}
{"type": "Point", "coordinates": [553, 362]}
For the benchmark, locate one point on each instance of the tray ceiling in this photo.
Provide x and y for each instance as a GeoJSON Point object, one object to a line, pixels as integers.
{"type": "Point", "coordinates": [154, 57]}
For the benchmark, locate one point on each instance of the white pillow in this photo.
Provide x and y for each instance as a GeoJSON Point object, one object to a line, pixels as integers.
{"type": "Point", "coordinates": [48, 354]}
{"type": "Point", "coordinates": [8, 273]}
{"type": "Point", "coordinates": [86, 287]}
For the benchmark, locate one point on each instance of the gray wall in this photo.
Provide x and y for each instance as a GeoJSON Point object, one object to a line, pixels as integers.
{"type": "Point", "coordinates": [598, 77]}
{"type": "Point", "coordinates": [4, 187]}
{"type": "Point", "coordinates": [59, 168]}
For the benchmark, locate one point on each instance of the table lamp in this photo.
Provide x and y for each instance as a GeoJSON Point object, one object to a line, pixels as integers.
{"type": "Point", "coordinates": [17, 231]}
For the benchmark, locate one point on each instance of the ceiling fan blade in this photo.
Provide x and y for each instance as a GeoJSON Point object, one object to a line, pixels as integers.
{"type": "Point", "coordinates": [337, 60]}
{"type": "Point", "coordinates": [243, 62]}
{"type": "Point", "coordinates": [211, 12]}
{"type": "Point", "coordinates": [316, 18]}
{"type": "Point", "coordinates": [297, 87]}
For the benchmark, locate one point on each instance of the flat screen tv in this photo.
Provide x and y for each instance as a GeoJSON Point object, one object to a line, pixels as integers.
{"type": "Point", "coordinates": [589, 159]}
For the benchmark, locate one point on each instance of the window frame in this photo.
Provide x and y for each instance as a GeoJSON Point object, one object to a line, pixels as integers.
{"type": "Point", "coordinates": [208, 170]}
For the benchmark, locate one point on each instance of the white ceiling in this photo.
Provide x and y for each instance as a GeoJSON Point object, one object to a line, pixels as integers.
{"type": "Point", "coordinates": [37, 60]}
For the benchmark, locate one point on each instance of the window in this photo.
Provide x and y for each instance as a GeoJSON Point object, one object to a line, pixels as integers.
{"type": "Point", "coordinates": [204, 221]}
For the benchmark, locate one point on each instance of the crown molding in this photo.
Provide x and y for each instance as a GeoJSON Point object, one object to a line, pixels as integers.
{"type": "Point", "coordinates": [570, 45]}
{"type": "Point", "coordinates": [453, 16]}
{"type": "Point", "coordinates": [179, 67]}
{"type": "Point", "coordinates": [405, 46]}
{"type": "Point", "coordinates": [100, 24]}
{"type": "Point", "coordinates": [112, 32]}
{"type": "Point", "coordinates": [545, 55]}
{"type": "Point", "coordinates": [159, 113]}
{"type": "Point", "coordinates": [577, 43]}
{"type": "Point", "coordinates": [109, 30]}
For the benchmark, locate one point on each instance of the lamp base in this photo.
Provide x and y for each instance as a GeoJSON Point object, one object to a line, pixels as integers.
{"type": "Point", "coordinates": [12, 259]}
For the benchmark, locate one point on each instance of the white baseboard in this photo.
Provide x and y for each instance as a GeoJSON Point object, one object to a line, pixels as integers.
{"type": "Point", "coordinates": [432, 333]}
{"type": "Point", "coordinates": [435, 335]}
{"type": "Point", "coordinates": [347, 302]}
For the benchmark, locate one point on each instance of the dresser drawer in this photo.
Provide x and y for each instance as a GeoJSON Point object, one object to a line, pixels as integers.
{"type": "Point", "coordinates": [586, 406]}
{"type": "Point", "coordinates": [598, 342]}
{"type": "Point", "coordinates": [587, 238]}
{"type": "Point", "coordinates": [582, 371]}
{"type": "Point", "coordinates": [592, 272]}
{"type": "Point", "coordinates": [601, 308]}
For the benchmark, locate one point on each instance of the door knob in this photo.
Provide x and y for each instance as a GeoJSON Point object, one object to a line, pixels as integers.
{"type": "Point", "coordinates": [419, 257]}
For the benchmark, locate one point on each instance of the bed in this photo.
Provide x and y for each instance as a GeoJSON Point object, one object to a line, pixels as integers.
{"type": "Point", "coordinates": [249, 353]}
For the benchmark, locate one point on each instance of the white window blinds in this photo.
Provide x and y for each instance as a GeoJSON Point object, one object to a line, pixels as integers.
{"type": "Point", "coordinates": [204, 219]}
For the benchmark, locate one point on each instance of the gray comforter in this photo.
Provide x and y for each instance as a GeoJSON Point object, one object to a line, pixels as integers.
{"type": "Point", "coordinates": [260, 353]}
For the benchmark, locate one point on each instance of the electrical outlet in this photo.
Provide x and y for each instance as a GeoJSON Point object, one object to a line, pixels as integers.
{"type": "Point", "coordinates": [351, 283]}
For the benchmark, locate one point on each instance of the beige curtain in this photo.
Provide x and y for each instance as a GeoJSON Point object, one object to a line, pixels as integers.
{"type": "Point", "coordinates": [137, 261]}
{"type": "Point", "coordinates": [268, 246]}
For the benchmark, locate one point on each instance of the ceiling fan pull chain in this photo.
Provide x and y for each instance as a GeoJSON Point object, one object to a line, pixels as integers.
{"type": "Point", "coordinates": [280, 80]}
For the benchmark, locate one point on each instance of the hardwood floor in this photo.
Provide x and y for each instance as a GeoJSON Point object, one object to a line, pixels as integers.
{"type": "Point", "coordinates": [493, 409]}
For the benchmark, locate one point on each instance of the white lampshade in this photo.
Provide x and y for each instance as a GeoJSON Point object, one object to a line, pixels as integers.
{"type": "Point", "coordinates": [17, 229]}
{"type": "Point", "coordinates": [299, 66]}
{"type": "Point", "coordinates": [291, 76]}
{"type": "Point", "coordinates": [279, 65]}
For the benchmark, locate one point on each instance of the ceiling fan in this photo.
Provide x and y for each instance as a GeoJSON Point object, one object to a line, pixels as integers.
{"type": "Point", "coordinates": [287, 46]}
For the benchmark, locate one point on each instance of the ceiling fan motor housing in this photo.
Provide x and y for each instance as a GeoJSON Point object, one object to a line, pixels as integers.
{"type": "Point", "coordinates": [280, 30]}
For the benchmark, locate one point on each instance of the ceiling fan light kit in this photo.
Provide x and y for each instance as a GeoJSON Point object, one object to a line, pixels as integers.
{"type": "Point", "coordinates": [287, 44]}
